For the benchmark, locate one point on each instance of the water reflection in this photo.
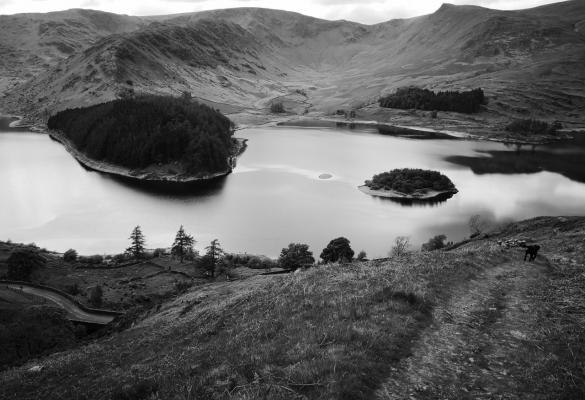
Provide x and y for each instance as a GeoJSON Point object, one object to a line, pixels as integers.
{"type": "Point", "coordinates": [412, 133]}
{"type": "Point", "coordinates": [275, 196]}
{"type": "Point", "coordinates": [177, 190]}
{"type": "Point", "coordinates": [434, 202]}
{"type": "Point", "coordinates": [522, 161]}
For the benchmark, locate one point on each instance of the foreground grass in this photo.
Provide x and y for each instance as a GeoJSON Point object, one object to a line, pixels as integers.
{"type": "Point", "coordinates": [559, 307]}
{"type": "Point", "coordinates": [345, 331]}
{"type": "Point", "coordinates": [331, 332]}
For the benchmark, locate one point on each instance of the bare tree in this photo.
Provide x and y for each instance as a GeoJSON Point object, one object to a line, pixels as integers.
{"type": "Point", "coordinates": [477, 225]}
{"type": "Point", "coordinates": [401, 245]}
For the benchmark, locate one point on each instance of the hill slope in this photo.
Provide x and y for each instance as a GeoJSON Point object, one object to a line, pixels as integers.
{"type": "Point", "coordinates": [34, 43]}
{"type": "Point", "coordinates": [528, 61]}
{"type": "Point", "coordinates": [473, 322]}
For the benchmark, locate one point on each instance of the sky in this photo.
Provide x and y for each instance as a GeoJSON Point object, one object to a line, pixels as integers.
{"type": "Point", "coordinates": [364, 11]}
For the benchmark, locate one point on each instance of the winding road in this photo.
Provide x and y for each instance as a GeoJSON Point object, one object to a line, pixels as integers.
{"type": "Point", "coordinates": [74, 311]}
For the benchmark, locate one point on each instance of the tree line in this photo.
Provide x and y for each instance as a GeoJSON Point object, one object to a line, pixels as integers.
{"type": "Point", "coordinates": [423, 99]}
{"type": "Point", "coordinates": [22, 262]}
{"type": "Point", "coordinates": [216, 261]}
{"type": "Point", "coordinates": [533, 127]}
{"type": "Point", "coordinates": [141, 131]}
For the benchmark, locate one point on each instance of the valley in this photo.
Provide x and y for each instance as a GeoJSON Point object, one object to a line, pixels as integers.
{"type": "Point", "coordinates": [300, 268]}
{"type": "Point", "coordinates": [528, 62]}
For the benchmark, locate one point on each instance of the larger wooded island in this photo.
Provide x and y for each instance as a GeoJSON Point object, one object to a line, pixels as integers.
{"type": "Point", "coordinates": [409, 183]}
{"type": "Point", "coordinates": [152, 138]}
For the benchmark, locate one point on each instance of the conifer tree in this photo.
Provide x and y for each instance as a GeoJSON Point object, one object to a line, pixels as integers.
{"type": "Point", "coordinates": [214, 254]}
{"type": "Point", "coordinates": [183, 244]}
{"type": "Point", "coordinates": [136, 248]}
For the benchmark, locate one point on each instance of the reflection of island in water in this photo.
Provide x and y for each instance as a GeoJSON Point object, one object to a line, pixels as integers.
{"type": "Point", "coordinates": [210, 187]}
{"type": "Point", "coordinates": [570, 164]}
{"type": "Point", "coordinates": [383, 129]}
{"type": "Point", "coordinates": [418, 202]}
{"type": "Point", "coordinates": [204, 188]}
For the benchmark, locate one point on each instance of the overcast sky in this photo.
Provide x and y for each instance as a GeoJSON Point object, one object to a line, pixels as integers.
{"type": "Point", "coordinates": [365, 11]}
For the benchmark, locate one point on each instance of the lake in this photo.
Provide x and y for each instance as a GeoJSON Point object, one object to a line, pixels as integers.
{"type": "Point", "coordinates": [275, 196]}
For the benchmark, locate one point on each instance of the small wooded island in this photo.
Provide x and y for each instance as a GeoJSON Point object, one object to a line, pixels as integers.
{"type": "Point", "coordinates": [409, 184]}
{"type": "Point", "coordinates": [149, 138]}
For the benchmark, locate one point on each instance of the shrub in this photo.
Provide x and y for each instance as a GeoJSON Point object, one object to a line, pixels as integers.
{"type": "Point", "coordinates": [96, 296]}
{"type": "Point", "coordinates": [95, 259]}
{"type": "Point", "coordinates": [337, 250]}
{"type": "Point", "coordinates": [140, 390]}
{"type": "Point", "coordinates": [251, 261]}
{"type": "Point", "coordinates": [70, 255]}
{"type": "Point", "coordinates": [296, 255]}
{"type": "Point", "coordinates": [361, 256]}
{"type": "Point", "coordinates": [434, 243]}
{"type": "Point", "coordinates": [401, 245]}
{"type": "Point", "coordinates": [120, 258]}
{"type": "Point", "coordinates": [477, 225]}
{"type": "Point", "coordinates": [183, 286]}
{"type": "Point", "coordinates": [533, 127]}
{"type": "Point", "coordinates": [224, 266]}
{"type": "Point", "coordinates": [206, 263]}
{"type": "Point", "coordinates": [277, 108]}
{"type": "Point", "coordinates": [158, 252]}
{"type": "Point", "coordinates": [73, 289]}
{"type": "Point", "coordinates": [21, 264]}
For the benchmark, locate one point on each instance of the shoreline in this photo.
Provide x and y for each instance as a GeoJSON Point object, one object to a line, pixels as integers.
{"type": "Point", "coordinates": [144, 175]}
{"type": "Point", "coordinates": [400, 128]}
{"type": "Point", "coordinates": [328, 121]}
{"type": "Point", "coordinates": [391, 194]}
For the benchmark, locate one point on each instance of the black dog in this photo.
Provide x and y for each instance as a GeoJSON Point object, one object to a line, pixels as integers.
{"type": "Point", "coordinates": [531, 250]}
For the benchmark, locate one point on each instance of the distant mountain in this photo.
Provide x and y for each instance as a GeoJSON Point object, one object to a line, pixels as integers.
{"type": "Point", "coordinates": [32, 43]}
{"type": "Point", "coordinates": [528, 61]}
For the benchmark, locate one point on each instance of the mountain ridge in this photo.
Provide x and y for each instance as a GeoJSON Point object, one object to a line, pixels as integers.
{"type": "Point", "coordinates": [527, 61]}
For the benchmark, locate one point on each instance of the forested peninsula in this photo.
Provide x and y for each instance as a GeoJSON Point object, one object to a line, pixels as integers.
{"type": "Point", "coordinates": [155, 138]}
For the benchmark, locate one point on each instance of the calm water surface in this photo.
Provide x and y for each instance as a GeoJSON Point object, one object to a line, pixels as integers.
{"type": "Point", "coordinates": [274, 196]}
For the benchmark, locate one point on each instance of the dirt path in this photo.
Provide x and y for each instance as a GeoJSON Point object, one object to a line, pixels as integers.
{"type": "Point", "coordinates": [480, 345]}
{"type": "Point", "coordinates": [74, 312]}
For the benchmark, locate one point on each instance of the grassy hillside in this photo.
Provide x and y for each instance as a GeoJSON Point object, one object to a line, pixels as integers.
{"type": "Point", "coordinates": [33, 43]}
{"type": "Point", "coordinates": [475, 321]}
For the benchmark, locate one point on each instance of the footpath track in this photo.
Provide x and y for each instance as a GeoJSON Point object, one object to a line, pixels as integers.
{"type": "Point", "coordinates": [482, 344]}
{"type": "Point", "coordinates": [74, 311]}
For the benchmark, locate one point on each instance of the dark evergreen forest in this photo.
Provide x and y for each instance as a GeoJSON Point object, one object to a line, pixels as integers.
{"type": "Point", "coordinates": [534, 127]}
{"type": "Point", "coordinates": [424, 99]}
{"type": "Point", "coordinates": [138, 132]}
{"type": "Point", "coordinates": [409, 180]}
